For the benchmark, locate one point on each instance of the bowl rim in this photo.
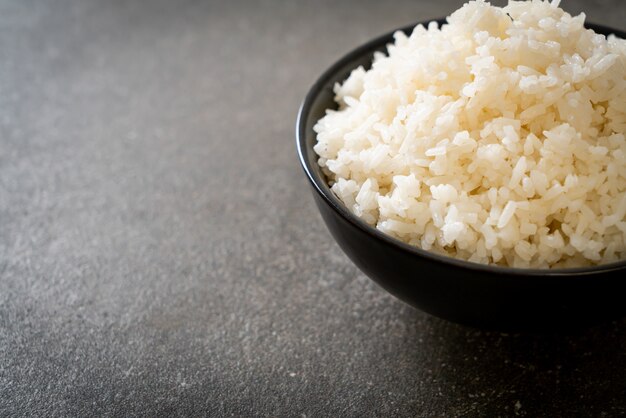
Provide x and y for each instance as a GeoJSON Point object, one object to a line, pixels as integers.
{"type": "Point", "coordinates": [323, 190]}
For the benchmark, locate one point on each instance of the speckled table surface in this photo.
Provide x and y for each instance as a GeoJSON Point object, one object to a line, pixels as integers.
{"type": "Point", "coordinates": [160, 254]}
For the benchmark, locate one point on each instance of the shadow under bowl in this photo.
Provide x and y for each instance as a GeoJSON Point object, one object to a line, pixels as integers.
{"type": "Point", "coordinates": [483, 296]}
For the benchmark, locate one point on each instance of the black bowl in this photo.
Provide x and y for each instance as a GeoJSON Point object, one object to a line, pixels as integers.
{"type": "Point", "coordinates": [478, 295]}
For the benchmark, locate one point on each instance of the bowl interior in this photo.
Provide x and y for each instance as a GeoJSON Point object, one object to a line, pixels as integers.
{"type": "Point", "coordinates": [321, 98]}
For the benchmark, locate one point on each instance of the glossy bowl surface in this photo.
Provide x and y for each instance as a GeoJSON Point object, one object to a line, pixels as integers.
{"type": "Point", "coordinates": [478, 295]}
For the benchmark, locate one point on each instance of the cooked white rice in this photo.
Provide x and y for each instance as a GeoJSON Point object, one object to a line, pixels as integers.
{"type": "Point", "coordinates": [497, 138]}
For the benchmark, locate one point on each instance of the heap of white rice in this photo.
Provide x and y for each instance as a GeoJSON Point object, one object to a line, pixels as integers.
{"type": "Point", "coordinates": [497, 138]}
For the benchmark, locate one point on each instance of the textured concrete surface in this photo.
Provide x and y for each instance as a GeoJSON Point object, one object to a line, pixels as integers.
{"type": "Point", "coordinates": [160, 254]}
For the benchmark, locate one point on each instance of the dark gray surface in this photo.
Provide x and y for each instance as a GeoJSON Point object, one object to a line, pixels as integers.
{"type": "Point", "coordinates": [160, 253]}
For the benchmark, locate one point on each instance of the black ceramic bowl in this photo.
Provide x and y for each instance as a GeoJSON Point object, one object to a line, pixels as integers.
{"type": "Point", "coordinates": [464, 292]}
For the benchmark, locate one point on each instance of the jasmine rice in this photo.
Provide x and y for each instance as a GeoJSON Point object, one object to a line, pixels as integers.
{"type": "Point", "coordinates": [497, 138]}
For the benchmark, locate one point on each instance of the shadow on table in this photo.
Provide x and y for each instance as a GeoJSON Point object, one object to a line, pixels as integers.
{"type": "Point", "coordinates": [558, 374]}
